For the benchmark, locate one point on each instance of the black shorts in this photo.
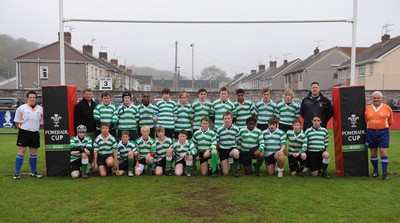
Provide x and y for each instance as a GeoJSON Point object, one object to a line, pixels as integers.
{"type": "Point", "coordinates": [262, 127]}
{"type": "Point", "coordinates": [182, 161]}
{"type": "Point", "coordinates": [101, 160]}
{"type": "Point", "coordinates": [315, 160]}
{"type": "Point", "coordinates": [224, 154]}
{"type": "Point", "coordinates": [285, 127]}
{"type": "Point", "coordinates": [143, 162]}
{"type": "Point", "coordinates": [270, 159]}
{"type": "Point", "coordinates": [189, 134]}
{"type": "Point", "coordinates": [76, 165]}
{"type": "Point", "coordinates": [161, 163]}
{"type": "Point", "coordinates": [124, 165]}
{"type": "Point", "coordinates": [246, 157]}
{"type": "Point", "coordinates": [202, 159]}
{"type": "Point", "coordinates": [293, 161]}
{"type": "Point", "coordinates": [28, 138]}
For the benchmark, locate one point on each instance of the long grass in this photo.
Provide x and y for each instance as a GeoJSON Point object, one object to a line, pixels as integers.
{"type": "Point", "coordinates": [197, 199]}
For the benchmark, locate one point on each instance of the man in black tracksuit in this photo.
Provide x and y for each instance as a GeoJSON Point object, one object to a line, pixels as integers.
{"type": "Point", "coordinates": [315, 103]}
{"type": "Point", "coordinates": [83, 113]}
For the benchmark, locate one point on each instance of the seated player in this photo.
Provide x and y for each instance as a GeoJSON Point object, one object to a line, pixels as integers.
{"type": "Point", "coordinates": [275, 147]}
{"type": "Point", "coordinates": [105, 146]}
{"type": "Point", "coordinates": [163, 156]}
{"type": "Point", "coordinates": [147, 148]}
{"type": "Point", "coordinates": [126, 154]}
{"type": "Point", "coordinates": [80, 147]}
{"type": "Point", "coordinates": [183, 151]}
{"type": "Point", "coordinates": [295, 138]}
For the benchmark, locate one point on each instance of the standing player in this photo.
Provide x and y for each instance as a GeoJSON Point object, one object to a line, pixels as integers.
{"type": "Point", "coordinates": [220, 106]}
{"type": "Point", "coordinates": [227, 136]}
{"type": "Point", "coordinates": [147, 148]}
{"type": "Point", "coordinates": [105, 147]}
{"type": "Point", "coordinates": [206, 144]}
{"type": "Point", "coordinates": [286, 111]}
{"type": "Point", "coordinates": [379, 117]}
{"type": "Point", "coordinates": [295, 138]}
{"type": "Point", "coordinates": [275, 145]}
{"type": "Point", "coordinates": [251, 145]}
{"type": "Point", "coordinates": [183, 121]}
{"type": "Point", "coordinates": [184, 151]}
{"type": "Point", "coordinates": [124, 117]}
{"type": "Point", "coordinates": [163, 156]}
{"type": "Point", "coordinates": [126, 154]}
{"type": "Point", "coordinates": [145, 114]}
{"type": "Point", "coordinates": [265, 109]}
{"type": "Point", "coordinates": [244, 108]}
{"type": "Point", "coordinates": [315, 143]}
{"type": "Point", "coordinates": [200, 108]}
{"type": "Point", "coordinates": [80, 146]}
{"type": "Point", "coordinates": [103, 113]}
{"type": "Point", "coordinates": [165, 113]}
{"type": "Point", "coordinates": [28, 119]}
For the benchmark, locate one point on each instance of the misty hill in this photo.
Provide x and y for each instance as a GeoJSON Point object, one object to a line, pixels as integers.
{"type": "Point", "coordinates": [11, 48]}
{"type": "Point", "coordinates": [157, 74]}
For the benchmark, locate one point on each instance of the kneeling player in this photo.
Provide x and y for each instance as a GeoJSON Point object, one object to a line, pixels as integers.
{"type": "Point", "coordinates": [275, 145]}
{"type": "Point", "coordinates": [206, 144]}
{"type": "Point", "coordinates": [105, 146]}
{"type": "Point", "coordinates": [227, 135]}
{"type": "Point", "coordinates": [184, 151]}
{"type": "Point", "coordinates": [251, 146]}
{"type": "Point", "coordinates": [295, 138]}
{"type": "Point", "coordinates": [147, 148]}
{"type": "Point", "coordinates": [80, 146]}
{"type": "Point", "coordinates": [126, 153]}
{"type": "Point", "coordinates": [163, 156]}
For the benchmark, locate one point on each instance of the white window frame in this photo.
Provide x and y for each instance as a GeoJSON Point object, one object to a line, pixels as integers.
{"type": "Point", "coordinates": [371, 69]}
{"type": "Point", "coordinates": [361, 70]}
{"type": "Point", "coordinates": [44, 72]}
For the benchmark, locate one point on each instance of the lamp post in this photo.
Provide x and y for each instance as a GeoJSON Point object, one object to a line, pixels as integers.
{"type": "Point", "coordinates": [192, 45]}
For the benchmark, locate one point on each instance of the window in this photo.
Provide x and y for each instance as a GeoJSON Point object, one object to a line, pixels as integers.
{"type": "Point", "coordinates": [301, 77]}
{"type": "Point", "coordinates": [361, 70]}
{"type": "Point", "coordinates": [371, 69]}
{"type": "Point", "coordinates": [44, 73]}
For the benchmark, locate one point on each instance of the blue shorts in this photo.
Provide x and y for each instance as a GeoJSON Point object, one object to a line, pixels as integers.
{"type": "Point", "coordinates": [377, 138]}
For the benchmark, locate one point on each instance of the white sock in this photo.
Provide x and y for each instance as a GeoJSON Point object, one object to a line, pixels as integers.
{"type": "Point", "coordinates": [168, 158]}
{"type": "Point", "coordinates": [189, 162]}
{"type": "Point", "coordinates": [279, 169]}
{"type": "Point", "coordinates": [325, 161]}
{"type": "Point", "coordinates": [85, 161]}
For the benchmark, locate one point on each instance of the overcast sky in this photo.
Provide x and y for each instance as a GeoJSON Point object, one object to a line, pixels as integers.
{"type": "Point", "coordinates": [234, 48]}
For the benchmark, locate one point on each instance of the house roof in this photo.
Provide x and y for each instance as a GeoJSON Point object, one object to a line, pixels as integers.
{"type": "Point", "coordinates": [104, 63]}
{"type": "Point", "coordinates": [376, 50]}
{"type": "Point", "coordinates": [145, 78]}
{"type": "Point", "coordinates": [52, 52]}
{"type": "Point", "coordinates": [273, 72]}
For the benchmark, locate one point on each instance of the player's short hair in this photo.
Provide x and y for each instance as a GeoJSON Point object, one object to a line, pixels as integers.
{"type": "Point", "coordinates": [273, 120]}
{"type": "Point", "coordinates": [239, 91]}
{"type": "Point", "coordinates": [183, 132]}
{"type": "Point", "coordinates": [183, 93]}
{"type": "Point", "coordinates": [105, 94]}
{"type": "Point", "coordinates": [251, 119]}
{"type": "Point", "coordinates": [223, 89]}
{"type": "Point", "coordinates": [145, 93]}
{"type": "Point", "coordinates": [165, 90]}
{"type": "Point", "coordinates": [314, 82]}
{"type": "Point", "coordinates": [265, 90]}
{"type": "Point", "coordinates": [206, 119]}
{"type": "Point", "coordinates": [227, 113]}
{"type": "Point", "coordinates": [296, 120]}
{"type": "Point", "coordinates": [125, 132]}
{"type": "Point", "coordinates": [145, 128]}
{"type": "Point", "coordinates": [160, 129]}
{"type": "Point", "coordinates": [30, 92]}
{"type": "Point", "coordinates": [87, 90]}
{"type": "Point", "coordinates": [289, 92]}
{"type": "Point", "coordinates": [201, 90]}
{"type": "Point", "coordinates": [104, 124]}
{"type": "Point", "coordinates": [377, 93]}
{"type": "Point", "coordinates": [316, 115]}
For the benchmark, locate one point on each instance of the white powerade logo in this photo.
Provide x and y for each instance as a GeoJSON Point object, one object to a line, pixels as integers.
{"type": "Point", "coordinates": [56, 119]}
{"type": "Point", "coordinates": [353, 120]}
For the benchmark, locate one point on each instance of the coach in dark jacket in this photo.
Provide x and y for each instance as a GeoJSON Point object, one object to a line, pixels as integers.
{"type": "Point", "coordinates": [83, 113]}
{"type": "Point", "coordinates": [315, 103]}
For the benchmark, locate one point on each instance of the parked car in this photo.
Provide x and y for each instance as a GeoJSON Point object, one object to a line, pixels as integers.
{"type": "Point", "coordinates": [10, 103]}
{"type": "Point", "coordinates": [394, 104]}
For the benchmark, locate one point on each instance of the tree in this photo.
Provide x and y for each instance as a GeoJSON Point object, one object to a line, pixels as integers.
{"type": "Point", "coordinates": [214, 73]}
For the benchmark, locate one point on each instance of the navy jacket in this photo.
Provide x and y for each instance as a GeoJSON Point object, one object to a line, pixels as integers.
{"type": "Point", "coordinates": [310, 106]}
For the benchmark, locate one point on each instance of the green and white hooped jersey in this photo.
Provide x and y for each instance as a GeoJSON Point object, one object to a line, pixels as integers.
{"type": "Point", "coordinates": [295, 140]}
{"type": "Point", "coordinates": [243, 111]}
{"type": "Point", "coordinates": [103, 113]}
{"type": "Point", "coordinates": [265, 111]}
{"type": "Point", "coordinates": [218, 109]}
{"type": "Point", "coordinates": [315, 140]}
{"type": "Point", "coordinates": [145, 115]}
{"type": "Point", "coordinates": [187, 148]}
{"type": "Point", "coordinates": [75, 142]}
{"type": "Point", "coordinates": [198, 111]}
{"type": "Point", "coordinates": [145, 147]}
{"type": "Point", "coordinates": [273, 141]}
{"type": "Point", "coordinates": [125, 117]}
{"type": "Point", "coordinates": [123, 150]}
{"type": "Point", "coordinates": [161, 148]}
{"type": "Point", "coordinates": [205, 140]}
{"type": "Point", "coordinates": [227, 137]}
{"type": "Point", "coordinates": [250, 139]}
{"type": "Point", "coordinates": [287, 113]}
{"type": "Point", "coordinates": [105, 147]}
{"type": "Point", "coordinates": [166, 114]}
{"type": "Point", "coordinates": [183, 117]}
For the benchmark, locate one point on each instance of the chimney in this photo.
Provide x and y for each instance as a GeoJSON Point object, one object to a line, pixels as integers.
{"type": "Point", "coordinates": [122, 67]}
{"type": "Point", "coordinates": [87, 49]}
{"type": "Point", "coordinates": [67, 37]}
{"type": "Point", "coordinates": [316, 51]}
{"type": "Point", "coordinates": [114, 62]}
{"type": "Point", "coordinates": [129, 71]}
{"type": "Point", "coordinates": [103, 55]}
{"type": "Point", "coordinates": [253, 71]}
{"type": "Point", "coordinates": [272, 64]}
{"type": "Point", "coordinates": [285, 61]}
{"type": "Point", "coordinates": [385, 38]}
{"type": "Point", "coordinates": [261, 67]}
